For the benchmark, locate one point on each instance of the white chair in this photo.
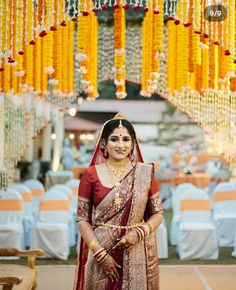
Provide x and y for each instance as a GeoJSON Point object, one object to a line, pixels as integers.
{"type": "Point", "coordinates": [51, 232]}
{"type": "Point", "coordinates": [69, 193]}
{"type": "Point", "coordinates": [74, 185]}
{"type": "Point", "coordinates": [224, 214]}
{"type": "Point", "coordinates": [162, 241]}
{"type": "Point", "coordinates": [197, 235]}
{"type": "Point", "coordinates": [28, 219]}
{"type": "Point", "coordinates": [11, 219]}
{"type": "Point", "coordinates": [176, 197]}
{"type": "Point", "coordinates": [37, 190]}
{"type": "Point", "coordinates": [234, 249]}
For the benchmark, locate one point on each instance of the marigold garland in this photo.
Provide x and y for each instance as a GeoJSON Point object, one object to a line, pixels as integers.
{"type": "Point", "coordinates": [119, 53]}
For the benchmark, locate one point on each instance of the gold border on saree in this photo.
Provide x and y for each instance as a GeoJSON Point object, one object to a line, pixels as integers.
{"type": "Point", "coordinates": [119, 227]}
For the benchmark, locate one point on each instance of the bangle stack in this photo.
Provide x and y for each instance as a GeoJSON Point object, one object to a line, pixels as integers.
{"type": "Point", "coordinates": [100, 255]}
{"type": "Point", "coordinates": [144, 231]}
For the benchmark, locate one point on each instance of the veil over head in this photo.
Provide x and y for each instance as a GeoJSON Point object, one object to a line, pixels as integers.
{"type": "Point", "coordinates": [98, 157]}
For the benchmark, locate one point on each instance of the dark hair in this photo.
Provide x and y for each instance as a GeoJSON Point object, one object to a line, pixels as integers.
{"type": "Point", "coordinates": [113, 124]}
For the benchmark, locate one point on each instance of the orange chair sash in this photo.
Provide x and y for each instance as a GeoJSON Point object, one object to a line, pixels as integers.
{"type": "Point", "coordinates": [37, 191]}
{"type": "Point", "coordinates": [54, 205]}
{"type": "Point", "coordinates": [223, 196]}
{"type": "Point", "coordinates": [195, 204]}
{"type": "Point", "coordinates": [11, 205]}
{"type": "Point", "coordinates": [27, 197]}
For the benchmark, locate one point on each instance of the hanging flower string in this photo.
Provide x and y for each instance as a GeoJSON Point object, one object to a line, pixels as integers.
{"type": "Point", "coordinates": [119, 50]}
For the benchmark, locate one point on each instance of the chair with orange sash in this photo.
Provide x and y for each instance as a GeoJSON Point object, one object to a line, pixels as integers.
{"type": "Point", "coordinates": [69, 193]}
{"type": "Point", "coordinates": [11, 219]}
{"type": "Point", "coordinates": [224, 214]}
{"type": "Point", "coordinates": [197, 234]}
{"type": "Point", "coordinates": [162, 241]}
{"type": "Point", "coordinates": [51, 232]}
{"type": "Point", "coordinates": [74, 185]}
{"type": "Point", "coordinates": [37, 190]}
{"type": "Point", "coordinates": [176, 197]}
{"type": "Point", "coordinates": [28, 219]}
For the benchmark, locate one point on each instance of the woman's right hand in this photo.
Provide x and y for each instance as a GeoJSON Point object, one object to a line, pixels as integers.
{"type": "Point", "coordinates": [110, 268]}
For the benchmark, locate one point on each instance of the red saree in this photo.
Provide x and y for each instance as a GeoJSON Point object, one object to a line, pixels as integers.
{"type": "Point", "coordinates": [140, 199]}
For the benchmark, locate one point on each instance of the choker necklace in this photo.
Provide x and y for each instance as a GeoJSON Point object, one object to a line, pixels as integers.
{"type": "Point", "coordinates": [117, 173]}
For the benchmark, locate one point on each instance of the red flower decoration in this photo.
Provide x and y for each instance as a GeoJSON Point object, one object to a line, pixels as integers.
{"type": "Point", "coordinates": [63, 23]}
{"type": "Point", "coordinates": [177, 22]}
{"type": "Point", "coordinates": [146, 9]}
{"type": "Point", "coordinates": [136, 7]}
{"type": "Point", "coordinates": [32, 42]}
{"type": "Point", "coordinates": [74, 19]}
{"type": "Point", "coordinates": [11, 60]}
{"type": "Point", "coordinates": [21, 52]}
{"type": "Point", "coordinates": [227, 52]}
{"type": "Point", "coordinates": [43, 33]}
{"type": "Point", "coordinates": [104, 7]}
{"type": "Point", "coordinates": [197, 32]}
{"type": "Point", "coordinates": [126, 6]}
{"type": "Point", "coordinates": [85, 13]}
{"type": "Point", "coordinates": [156, 11]}
{"type": "Point", "coordinates": [170, 18]}
{"type": "Point", "coordinates": [216, 42]}
{"type": "Point", "coordinates": [1, 69]}
{"type": "Point", "coordinates": [205, 35]}
{"type": "Point", "coordinates": [53, 28]}
{"type": "Point", "coordinates": [187, 24]}
{"type": "Point", "coordinates": [115, 6]}
{"type": "Point", "coordinates": [235, 60]}
{"type": "Point", "coordinates": [95, 10]}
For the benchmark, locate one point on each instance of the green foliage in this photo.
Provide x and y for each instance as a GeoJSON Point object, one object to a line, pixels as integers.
{"type": "Point", "coordinates": [107, 90]}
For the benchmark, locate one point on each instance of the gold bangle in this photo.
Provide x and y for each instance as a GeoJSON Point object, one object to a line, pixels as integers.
{"type": "Point", "coordinates": [147, 229]}
{"type": "Point", "coordinates": [151, 227]}
{"type": "Point", "coordinates": [92, 244]}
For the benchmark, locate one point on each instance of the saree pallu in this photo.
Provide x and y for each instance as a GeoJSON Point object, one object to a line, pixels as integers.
{"type": "Point", "coordinates": [140, 263]}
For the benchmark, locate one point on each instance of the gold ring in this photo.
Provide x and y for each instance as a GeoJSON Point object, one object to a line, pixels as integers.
{"type": "Point", "coordinates": [123, 241]}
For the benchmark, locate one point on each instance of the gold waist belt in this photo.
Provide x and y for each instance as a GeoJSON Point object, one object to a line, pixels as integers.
{"type": "Point", "coordinates": [119, 227]}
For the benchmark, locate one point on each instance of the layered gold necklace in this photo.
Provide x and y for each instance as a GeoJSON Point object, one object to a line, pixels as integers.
{"type": "Point", "coordinates": [116, 170]}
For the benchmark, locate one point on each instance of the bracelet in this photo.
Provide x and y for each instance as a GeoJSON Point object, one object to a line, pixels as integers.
{"type": "Point", "coordinates": [146, 229]}
{"type": "Point", "coordinates": [139, 234]}
{"type": "Point", "coordinates": [103, 258]}
{"type": "Point", "coordinates": [92, 244]}
{"type": "Point", "coordinates": [151, 227]}
{"type": "Point", "coordinates": [98, 252]}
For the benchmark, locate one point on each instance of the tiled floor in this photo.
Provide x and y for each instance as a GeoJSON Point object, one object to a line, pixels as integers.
{"type": "Point", "coordinates": [189, 277]}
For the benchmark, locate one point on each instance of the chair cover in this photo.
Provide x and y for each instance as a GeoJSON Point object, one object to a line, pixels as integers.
{"type": "Point", "coordinates": [162, 241]}
{"type": "Point", "coordinates": [224, 214]}
{"type": "Point", "coordinates": [74, 185]}
{"type": "Point", "coordinates": [176, 197]}
{"type": "Point", "coordinates": [234, 249]}
{"type": "Point", "coordinates": [11, 219]}
{"type": "Point", "coordinates": [69, 193]}
{"type": "Point", "coordinates": [197, 235]}
{"type": "Point", "coordinates": [51, 232]}
{"type": "Point", "coordinates": [37, 190]}
{"type": "Point", "coordinates": [28, 219]}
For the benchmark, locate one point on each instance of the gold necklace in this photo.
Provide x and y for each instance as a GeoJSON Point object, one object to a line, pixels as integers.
{"type": "Point", "coordinates": [117, 172]}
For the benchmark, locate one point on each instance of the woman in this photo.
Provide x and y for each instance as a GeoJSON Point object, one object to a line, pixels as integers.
{"type": "Point", "coordinates": [118, 212]}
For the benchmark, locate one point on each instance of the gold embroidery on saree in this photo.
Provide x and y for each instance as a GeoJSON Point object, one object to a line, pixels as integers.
{"type": "Point", "coordinates": [84, 209]}
{"type": "Point", "coordinates": [154, 204]}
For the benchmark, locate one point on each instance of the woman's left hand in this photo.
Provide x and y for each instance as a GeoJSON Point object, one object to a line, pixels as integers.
{"type": "Point", "coordinates": [128, 240]}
